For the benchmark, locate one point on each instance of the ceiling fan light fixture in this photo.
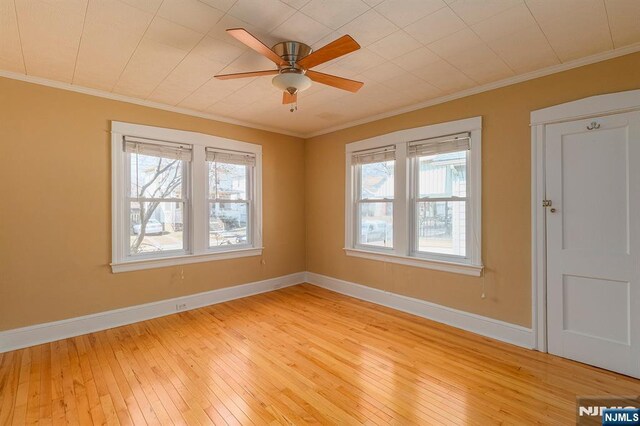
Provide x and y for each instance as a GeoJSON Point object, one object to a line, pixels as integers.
{"type": "Point", "coordinates": [291, 80]}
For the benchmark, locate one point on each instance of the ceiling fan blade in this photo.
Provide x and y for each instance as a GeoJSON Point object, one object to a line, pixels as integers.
{"type": "Point", "coordinates": [335, 81]}
{"type": "Point", "coordinates": [288, 98]}
{"type": "Point", "coordinates": [245, 37]}
{"type": "Point", "coordinates": [335, 49]}
{"type": "Point", "coordinates": [245, 74]}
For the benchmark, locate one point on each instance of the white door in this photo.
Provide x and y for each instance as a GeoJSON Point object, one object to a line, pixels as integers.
{"type": "Point", "coordinates": [593, 241]}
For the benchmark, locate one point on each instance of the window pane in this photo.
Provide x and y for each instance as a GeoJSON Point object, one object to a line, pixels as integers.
{"type": "Point", "coordinates": [376, 224]}
{"type": "Point", "coordinates": [156, 227]}
{"type": "Point", "coordinates": [227, 181]}
{"type": "Point", "coordinates": [441, 227]}
{"type": "Point", "coordinates": [443, 175]}
{"type": "Point", "coordinates": [377, 180]}
{"type": "Point", "coordinates": [155, 177]}
{"type": "Point", "coordinates": [228, 224]}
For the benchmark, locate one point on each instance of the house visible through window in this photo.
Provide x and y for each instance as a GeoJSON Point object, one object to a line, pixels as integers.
{"type": "Point", "coordinates": [414, 197]}
{"type": "Point", "coordinates": [182, 197]}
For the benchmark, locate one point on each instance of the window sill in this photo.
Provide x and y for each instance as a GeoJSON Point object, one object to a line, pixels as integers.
{"type": "Point", "coordinates": [438, 265]}
{"type": "Point", "coordinates": [136, 265]}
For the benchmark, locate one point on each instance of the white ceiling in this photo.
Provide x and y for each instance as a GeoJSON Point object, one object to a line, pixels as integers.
{"type": "Point", "coordinates": [167, 51]}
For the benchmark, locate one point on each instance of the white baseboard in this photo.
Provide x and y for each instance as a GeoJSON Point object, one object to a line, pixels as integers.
{"type": "Point", "coordinates": [48, 332]}
{"type": "Point", "coordinates": [489, 327]}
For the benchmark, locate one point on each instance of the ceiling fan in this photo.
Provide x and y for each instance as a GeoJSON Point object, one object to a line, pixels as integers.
{"type": "Point", "coordinates": [294, 60]}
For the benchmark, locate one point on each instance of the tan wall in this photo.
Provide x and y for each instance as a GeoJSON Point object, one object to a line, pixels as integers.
{"type": "Point", "coordinates": [506, 189]}
{"type": "Point", "coordinates": [55, 208]}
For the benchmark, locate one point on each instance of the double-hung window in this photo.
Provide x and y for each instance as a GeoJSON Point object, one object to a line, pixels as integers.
{"type": "Point", "coordinates": [182, 197]}
{"type": "Point", "coordinates": [413, 197]}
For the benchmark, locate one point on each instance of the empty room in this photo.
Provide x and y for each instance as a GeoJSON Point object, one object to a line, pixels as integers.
{"type": "Point", "coordinates": [248, 212]}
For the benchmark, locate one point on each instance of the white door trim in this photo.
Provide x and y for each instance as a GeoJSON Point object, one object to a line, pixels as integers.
{"type": "Point", "coordinates": [594, 106]}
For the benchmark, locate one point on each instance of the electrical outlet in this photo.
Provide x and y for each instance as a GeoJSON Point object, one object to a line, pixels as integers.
{"type": "Point", "coordinates": [181, 306]}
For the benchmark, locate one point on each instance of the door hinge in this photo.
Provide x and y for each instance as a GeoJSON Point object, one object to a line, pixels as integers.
{"type": "Point", "coordinates": [546, 203]}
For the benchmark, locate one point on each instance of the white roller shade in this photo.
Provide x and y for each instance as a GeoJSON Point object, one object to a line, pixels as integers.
{"type": "Point", "coordinates": [452, 143]}
{"type": "Point", "coordinates": [157, 148]}
{"type": "Point", "coordinates": [377, 155]}
{"type": "Point", "coordinates": [231, 157]}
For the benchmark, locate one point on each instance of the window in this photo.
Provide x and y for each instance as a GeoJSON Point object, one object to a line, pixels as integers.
{"type": "Point", "coordinates": [182, 197]}
{"type": "Point", "coordinates": [413, 197]}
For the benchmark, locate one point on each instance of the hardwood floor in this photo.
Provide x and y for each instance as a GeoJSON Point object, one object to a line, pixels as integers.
{"type": "Point", "coordinates": [297, 355]}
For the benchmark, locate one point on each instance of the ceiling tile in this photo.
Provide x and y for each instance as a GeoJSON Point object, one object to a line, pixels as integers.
{"type": "Point", "coordinates": [359, 61]}
{"type": "Point", "coordinates": [296, 4]}
{"type": "Point", "coordinates": [218, 50]}
{"type": "Point", "coordinates": [112, 31]}
{"type": "Point", "coordinates": [149, 65]}
{"type": "Point", "coordinates": [474, 11]}
{"type": "Point", "coordinates": [394, 45]}
{"type": "Point", "coordinates": [209, 93]}
{"type": "Point", "coordinates": [383, 72]}
{"type": "Point", "coordinates": [575, 28]}
{"type": "Point", "coordinates": [191, 14]}
{"type": "Point", "coordinates": [444, 76]}
{"type": "Point", "coordinates": [402, 82]}
{"type": "Point", "coordinates": [223, 5]}
{"type": "Point", "coordinates": [264, 14]}
{"type": "Point", "coordinates": [435, 26]}
{"type": "Point", "coordinates": [416, 59]}
{"type": "Point", "coordinates": [150, 6]}
{"type": "Point", "coordinates": [405, 12]}
{"type": "Point", "coordinates": [334, 13]}
{"type": "Point", "coordinates": [369, 28]}
{"type": "Point", "coordinates": [537, 55]}
{"type": "Point", "coordinates": [472, 56]}
{"type": "Point", "coordinates": [504, 23]}
{"type": "Point", "coordinates": [171, 34]}
{"type": "Point", "coordinates": [10, 50]}
{"type": "Point", "coordinates": [191, 73]}
{"type": "Point", "coordinates": [624, 20]}
{"type": "Point", "coordinates": [50, 34]}
{"type": "Point", "coordinates": [300, 27]}
{"type": "Point", "coordinates": [373, 3]}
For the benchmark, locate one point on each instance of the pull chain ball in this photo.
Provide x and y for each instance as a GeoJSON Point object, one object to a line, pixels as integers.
{"type": "Point", "coordinates": [293, 107]}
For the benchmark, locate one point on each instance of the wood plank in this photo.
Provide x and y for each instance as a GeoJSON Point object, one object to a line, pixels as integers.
{"type": "Point", "coordinates": [299, 355]}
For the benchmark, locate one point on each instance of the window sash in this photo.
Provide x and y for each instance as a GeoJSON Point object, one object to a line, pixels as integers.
{"type": "Point", "coordinates": [249, 201]}
{"type": "Point", "coordinates": [357, 220]}
{"type": "Point", "coordinates": [214, 155]}
{"type": "Point", "coordinates": [415, 199]}
{"type": "Point", "coordinates": [186, 212]}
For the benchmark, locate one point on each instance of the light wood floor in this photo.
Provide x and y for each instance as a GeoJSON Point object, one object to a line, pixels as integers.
{"type": "Point", "coordinates": [298, 355]}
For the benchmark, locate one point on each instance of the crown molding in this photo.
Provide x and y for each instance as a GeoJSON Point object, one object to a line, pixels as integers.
{"type": "Point", "coordinates": [587, 60]}
{"type": "Point", "coordinates": [142, 102]}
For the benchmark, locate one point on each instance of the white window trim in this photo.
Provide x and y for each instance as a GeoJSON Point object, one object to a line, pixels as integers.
{"type": "Point", "coordinates": [401, 252]}
{"type": "Point", "coordinates": [198, 223]}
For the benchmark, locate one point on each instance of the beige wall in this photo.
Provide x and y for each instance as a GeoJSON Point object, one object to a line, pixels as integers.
{"type": "Point", "coordinates": [55, 208]}
{"type": "Point", "coordinates": [506, 189]}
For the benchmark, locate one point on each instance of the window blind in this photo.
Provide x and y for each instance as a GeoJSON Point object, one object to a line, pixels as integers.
{"type": "Point", "coordinates": [377, 155]}
{"type": "Point", "coordinates": [451, 143]}
{"type": "Point", "coordinates": [157, 148]}
{"type": "Point", "coordinates": [231, 157]}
